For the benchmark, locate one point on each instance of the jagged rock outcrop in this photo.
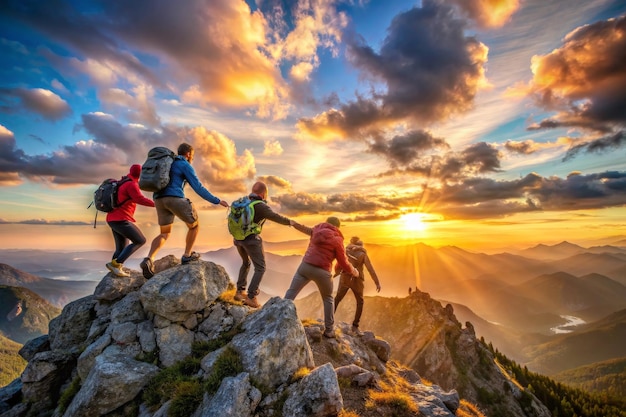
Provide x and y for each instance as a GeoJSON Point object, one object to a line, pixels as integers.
{"type": "Point", "coordinates": [103, 352]}
{"type": "Point", "coordinates": [428, 338]}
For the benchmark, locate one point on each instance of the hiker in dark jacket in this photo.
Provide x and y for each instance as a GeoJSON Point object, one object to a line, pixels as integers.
{"type": "Point", "coordinates": [357, 255]}
{"type": "Point", "coordinates": [122, 222]}
{"type": "Point", "coordinates": [251, 248]}
{"type": "Point", "coordinates": [325, 245]}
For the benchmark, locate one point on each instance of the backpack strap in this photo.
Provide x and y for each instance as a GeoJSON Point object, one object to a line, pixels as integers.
{"type": "Point", "coordinates": [124, 179]}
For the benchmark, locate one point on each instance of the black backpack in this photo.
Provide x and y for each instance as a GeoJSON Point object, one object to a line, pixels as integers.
{"type": "Point", "coordinates": [155, 172]}
{"type": "Point", "coordinates": [105, 197]}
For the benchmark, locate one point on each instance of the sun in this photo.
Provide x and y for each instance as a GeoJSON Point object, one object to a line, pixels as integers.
{"type": "Point", "coordinates": [414, 222]}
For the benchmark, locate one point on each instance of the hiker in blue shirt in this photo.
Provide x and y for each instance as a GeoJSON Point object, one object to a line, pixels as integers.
{"type": "Point", "coordinates": [171, 202]}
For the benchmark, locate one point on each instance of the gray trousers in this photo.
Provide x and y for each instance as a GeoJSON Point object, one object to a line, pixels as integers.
{"type": "Point", "coordinates": [249, 249]}
{"type": "Point", "coordinates": [324, 282]}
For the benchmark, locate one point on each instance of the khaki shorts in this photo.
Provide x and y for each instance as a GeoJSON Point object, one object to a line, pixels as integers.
{"type": "Point", "coordinates": [169, 207]}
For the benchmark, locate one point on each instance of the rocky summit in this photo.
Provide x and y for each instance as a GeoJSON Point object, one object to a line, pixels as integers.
{"type": "Point", "coordinates": [180, 345]}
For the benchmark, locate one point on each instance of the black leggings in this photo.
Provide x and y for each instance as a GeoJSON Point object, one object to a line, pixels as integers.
{"type": "Point", "coordinates": [123, 231]}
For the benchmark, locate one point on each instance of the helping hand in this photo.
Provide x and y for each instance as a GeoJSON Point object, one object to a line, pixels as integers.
{"type": "Point", "coordinates": [377, 287]}
{"type": "Point", "coordinates": [223, 203]}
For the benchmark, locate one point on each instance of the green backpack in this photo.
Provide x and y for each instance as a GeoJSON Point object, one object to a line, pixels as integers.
{"type": "Point", "coordinates": [241, 218]}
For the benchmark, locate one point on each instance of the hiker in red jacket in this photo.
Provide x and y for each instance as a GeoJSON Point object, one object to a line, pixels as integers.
{"type": "Point", "coordinates": [325, 246]}
{"type": "Point", "coordinates": [122, 222]}
{"type": "Point", "coordinates": [357, 255]}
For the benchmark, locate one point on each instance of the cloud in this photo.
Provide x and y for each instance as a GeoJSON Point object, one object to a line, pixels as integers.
{"type": "Point", "coordinates": [488, 13]}
{"type": "Point", "coordinates": [475, 159]}
{"type": "Point", "coordinates": [429, 68]}
{"type": "Point", "coordinates": [273, 180]}
{"type": "Point", "coordinates": [113, 147]}
{"type": "Point", "coordinates": [219, 54]}
{"type": "Point", "coordinates": [217, 162]}
{"type": "Point", "coordinates": [598, 145]}
{"type": "Point", "coordinates": [37, 100]}
{"type": "Point", "coordinates": [272, 148]}
{"type": "Point", "coordinates": [138, 106]}
{"type": "Point", "coordinates": [584, 80]}
{"type": "Point", "coordinates": [316, 24]}
{"type": "Point", "coordinates": [406, 148]}
{"type": "Point", "coordinates": [469, 199]}
{"type": "Point", "coordinates": [44, 222]}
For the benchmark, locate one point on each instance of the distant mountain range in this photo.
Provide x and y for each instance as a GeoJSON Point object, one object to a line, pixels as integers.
{"type": "Point", "coordinates": [56, 292]}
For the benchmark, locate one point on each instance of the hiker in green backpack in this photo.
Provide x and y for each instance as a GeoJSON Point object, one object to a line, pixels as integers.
{"type": "Point", "coordinates": [251, 247]}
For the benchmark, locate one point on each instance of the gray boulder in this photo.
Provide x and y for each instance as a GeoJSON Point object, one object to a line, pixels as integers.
{"type": "Point", "coordinates": [177, 293]}
{"type": "Point", "coordinates": [273, 345]}
{"type": "Point", "coordinates": [114, 381]}
{"type": "Point", "coordinates": [315, 395]}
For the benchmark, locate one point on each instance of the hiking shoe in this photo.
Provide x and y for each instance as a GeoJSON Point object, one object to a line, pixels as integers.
{"type": "Point", "coordinates": [193, 256]}
{"type": "Point", "coordinates": [251, 302]}
{"type": "Point", "coordinates": [240, 295]}
{"type": "Point", "coordinates": [147, 267]}
{"type": "Point", "coordinates": [117, 270]}
{"type": "Point", "coordinates": [329, 334]}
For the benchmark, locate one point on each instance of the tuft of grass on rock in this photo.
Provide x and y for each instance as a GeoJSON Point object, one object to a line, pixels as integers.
{"type": "Point", "coordinates": [227, 364]}
{"type": "Point", "coordinates": [186, 399]}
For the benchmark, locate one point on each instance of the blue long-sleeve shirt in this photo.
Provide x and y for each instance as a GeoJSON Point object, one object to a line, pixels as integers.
{"type": "Point", "coordinates": [182, 172]}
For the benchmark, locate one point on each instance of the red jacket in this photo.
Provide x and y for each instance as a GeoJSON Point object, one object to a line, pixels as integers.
{"type": "Point", "coordinates": [128, 191]}
{"type": "Point", "coordinates": [325, 246]}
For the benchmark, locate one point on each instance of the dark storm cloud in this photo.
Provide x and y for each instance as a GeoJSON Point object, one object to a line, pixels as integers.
{"type": "Point", "coordinates": [429, 67]}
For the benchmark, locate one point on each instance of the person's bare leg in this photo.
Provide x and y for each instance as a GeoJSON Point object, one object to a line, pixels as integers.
{"type": "Point", "coordinates": [159, 241]}
{"type": "Point", "coordinates": [192, 234]}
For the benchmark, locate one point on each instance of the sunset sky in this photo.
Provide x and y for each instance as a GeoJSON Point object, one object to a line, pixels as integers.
{"type": "Point", "coordinates": [477, 123]}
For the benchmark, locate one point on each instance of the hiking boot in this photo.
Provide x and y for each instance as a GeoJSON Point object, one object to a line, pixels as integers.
{"type": "Point", "coordinates": [193, 256]}
{"type": "Point", "coordinates": [117, 269]}
{"type": "Point", "coordinates": [251, 302]}
{"type": "Point", "coordinates": [240, 295]}
{"type": "Point", "coordinates": [329, 334]}
{"type": "Point", "coordinates": [147, 267]}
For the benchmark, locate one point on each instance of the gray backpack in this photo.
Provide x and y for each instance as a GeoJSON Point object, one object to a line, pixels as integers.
{"type": "Point", "coordinates": [155, 172]}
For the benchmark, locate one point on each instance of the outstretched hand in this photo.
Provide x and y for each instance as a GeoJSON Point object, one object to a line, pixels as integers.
{"type": "Point", "coordinates": [224, 203]}
{"type": "Point", "coordinates": [377, 287]}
